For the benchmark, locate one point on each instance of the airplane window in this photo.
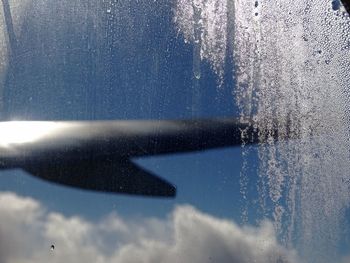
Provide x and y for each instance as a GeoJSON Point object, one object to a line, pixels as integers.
{"type": "Point", "coordinates": [174, 131]}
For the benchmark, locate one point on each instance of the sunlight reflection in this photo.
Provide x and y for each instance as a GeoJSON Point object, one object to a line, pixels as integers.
{"type": "Point", "coordinates": [17, 132]}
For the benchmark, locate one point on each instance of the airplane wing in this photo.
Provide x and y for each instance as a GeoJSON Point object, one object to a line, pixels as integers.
{"type": "Point", "coordinates": [346, 4]}
{"type": "Point", "coordinates": [95, 155]}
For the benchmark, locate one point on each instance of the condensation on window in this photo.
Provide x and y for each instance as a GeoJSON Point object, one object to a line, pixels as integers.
{"type": "Point", "coordinates": [292, 77]}
{"type": "Point", "coordinates": [205, 24]}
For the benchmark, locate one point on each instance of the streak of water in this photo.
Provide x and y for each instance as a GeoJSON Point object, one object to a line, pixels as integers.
{"type": "Point", "coordinates": [204, 23]}
{"type": "Point", "coordinates": [9, 27]}
{"type": "Point", "coordinates": [293, 69]}
{"type": "Point", "coordinates": [292, 73]}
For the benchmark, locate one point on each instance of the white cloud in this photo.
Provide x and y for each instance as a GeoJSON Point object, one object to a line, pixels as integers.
{"type": "Point", "coordinates": [27, 231]}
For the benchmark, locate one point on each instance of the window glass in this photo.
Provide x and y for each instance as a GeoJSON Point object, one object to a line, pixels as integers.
{"type": "Point", "coordinates": [282, 65]}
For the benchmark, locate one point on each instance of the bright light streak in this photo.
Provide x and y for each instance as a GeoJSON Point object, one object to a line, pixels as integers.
{"type": "Point", "coordinates": [18, 132]}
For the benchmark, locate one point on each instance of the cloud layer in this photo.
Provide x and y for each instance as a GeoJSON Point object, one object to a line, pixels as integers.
{"type": "Point", "coordinates": [27, 231]}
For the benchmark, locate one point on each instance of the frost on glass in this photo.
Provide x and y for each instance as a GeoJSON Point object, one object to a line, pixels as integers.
{"type": "Point", "coordinates": [292, 63]}
{"type": "Point", "coordinates": [204, 23]}
{"type": "Point", "coordinates": [293, 74]}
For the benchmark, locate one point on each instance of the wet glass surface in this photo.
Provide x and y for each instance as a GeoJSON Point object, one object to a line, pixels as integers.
{"type": "Point", "coordinates": [284, 65]}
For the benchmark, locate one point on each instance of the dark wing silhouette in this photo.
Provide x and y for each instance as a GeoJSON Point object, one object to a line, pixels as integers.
{"type": "Point", "coordinates": [95, 155]}
{"type": "Point", "coordinates": [346, 4]}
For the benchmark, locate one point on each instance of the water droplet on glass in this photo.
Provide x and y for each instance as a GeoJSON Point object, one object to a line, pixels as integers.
{"type": "Point", "coordinates": [313, 66]}
{"type": "Point", "coordinates": [335, 5]}
{"type": "Point", "coordinates": [197, 74]}
{"type": "Point", "coordinates": [52, 248]}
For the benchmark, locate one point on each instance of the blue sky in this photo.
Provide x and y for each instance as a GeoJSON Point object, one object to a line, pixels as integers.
{"type": "Point", "coordinates": [129, 62]}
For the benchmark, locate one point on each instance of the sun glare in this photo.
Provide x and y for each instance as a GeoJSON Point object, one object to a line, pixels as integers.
{"type": "Point", "coordinates": [17, 132]}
